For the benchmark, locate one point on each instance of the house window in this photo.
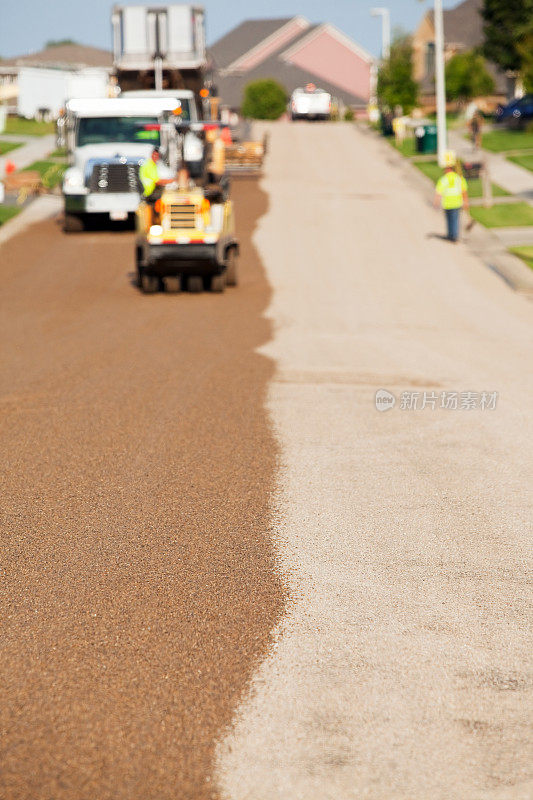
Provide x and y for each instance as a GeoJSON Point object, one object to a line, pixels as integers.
{"type": "Point", "coordinates": [430, 58]}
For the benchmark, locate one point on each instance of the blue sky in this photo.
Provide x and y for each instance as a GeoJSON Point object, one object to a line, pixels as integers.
{"type": "Point", "coordinates": [26, 24]}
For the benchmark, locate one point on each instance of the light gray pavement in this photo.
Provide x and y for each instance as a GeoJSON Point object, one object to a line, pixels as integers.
{"type": "Point", "coordinates": [35, 149]}
{"type": "Point", "coordinates": [39, 209]}
{"type": "Point", "coordinates": [509, 176]}
{"type": "Point", "coordinates": [402, 667]}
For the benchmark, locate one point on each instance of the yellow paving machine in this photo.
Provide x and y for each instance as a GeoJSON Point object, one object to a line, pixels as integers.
{"type": "Point", "coordinates": [187, 241]}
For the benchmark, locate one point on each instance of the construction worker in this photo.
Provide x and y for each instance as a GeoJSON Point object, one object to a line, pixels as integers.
{"type": "Point", "coordinates": [152, 179]}
{"type": "Point", "coordinates": [217, 163]}
{"type": "Point", "coordinates": [451, 193]}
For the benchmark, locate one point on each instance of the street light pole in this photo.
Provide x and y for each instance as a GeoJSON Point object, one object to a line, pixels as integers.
{"type": "Point", "coordinates": [440, 83]}
{"type": "Point", "coordinates": [385, 30]}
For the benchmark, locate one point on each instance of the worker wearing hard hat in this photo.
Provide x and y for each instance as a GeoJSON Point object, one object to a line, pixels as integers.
{"type": "Point", "coordinates": [451, 192]}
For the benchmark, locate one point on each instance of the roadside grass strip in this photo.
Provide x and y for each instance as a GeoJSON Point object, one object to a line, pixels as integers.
{"type": "Point", "coordinates": [8, 212]}
{"type": "Point", "coordinates": [475, 186]}
{"type": "Point", "coordinates": [501, 141]}
{"type": "Point", "coordinates": [51, 172]}
{"type": "Point", "coordinates": [7, 147]}
{"type": "Point", "coordinates": [508, 215]}
{"type": "Point", "coordinates": [525, 253]}
{"type": "Point", "coordinates": [18, 126]}
{"type": "Point", "coordinates": [525, 161]}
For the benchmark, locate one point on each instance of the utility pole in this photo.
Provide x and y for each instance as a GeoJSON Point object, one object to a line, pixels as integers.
{"type": "Point", "coordinates": [385, 30]}
{"type": "Point", "coordinates": [440, 83]}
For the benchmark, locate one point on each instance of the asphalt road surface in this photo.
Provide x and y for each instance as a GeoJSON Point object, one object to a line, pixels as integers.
{"type": "Point", "coordinates": [138, 584]}
{"type": "Point", "coordinates": [225, 573]}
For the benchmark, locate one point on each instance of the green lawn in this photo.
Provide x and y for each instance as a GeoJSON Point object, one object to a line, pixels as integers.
{"type": "Point", "coordinates": [525, 253]}
{"type": "Point", "coordinates": [523, 161]}
{"type": "Point", "coordinates": [475, 188]}
{"type": "Point", "coordinates": [61, 152]}
{"type": "Point", "coordinates": [7, 147]}
{"type": "Point", "coordinates": [50, 171]}
{"type": "Point", "coordinates": [406, 148]}
{"type": "Point", "coordinates": [501, 140]}
{"type": "Point", "coordinates": [508, 215]}
{"type": "Point", "coordinates": [18, 126]}
{"type": "Point", "coordinates": [7, 212]}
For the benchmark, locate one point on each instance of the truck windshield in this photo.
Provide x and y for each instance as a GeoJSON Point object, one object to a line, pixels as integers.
{"type": "Point", "coordinates": [99, 130]}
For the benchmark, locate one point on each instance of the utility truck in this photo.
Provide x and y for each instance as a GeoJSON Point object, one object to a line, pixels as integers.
{"type": "Point", "coordinates": [107, 141]}
{"type": "Point", "coordinates": [310, 103]}
{"type": "Point", "coordinates": [159, 48]}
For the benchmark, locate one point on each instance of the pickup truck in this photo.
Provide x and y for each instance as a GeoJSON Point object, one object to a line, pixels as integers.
{"type": "Point", "coordinates": [310, 103]}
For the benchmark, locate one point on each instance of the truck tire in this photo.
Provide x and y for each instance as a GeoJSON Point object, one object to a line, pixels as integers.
{"type": "Point", "coordinates": [149, 283]}
{"type": "Point", "coordinates": [73, 223]}
{"type": "Point", "coordinates": [218, 283]}
{"type": "Point", "coordinates": [232, 271]}
{"type": "Point", "coordinates": [195, 284]}
{"type": "Point", "coordinates": [172, 284]}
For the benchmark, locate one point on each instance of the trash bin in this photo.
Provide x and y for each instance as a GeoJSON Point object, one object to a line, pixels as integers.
{"type": "Point", "coordinates": [429, 142]}
{"type": "Point", "coordinates": [420, 133]}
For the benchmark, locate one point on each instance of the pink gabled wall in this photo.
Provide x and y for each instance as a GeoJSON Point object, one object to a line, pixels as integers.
{"type": "Point", "coordinates": [328, 58]}
{"type": "Point", "coordinates": [261, 52]}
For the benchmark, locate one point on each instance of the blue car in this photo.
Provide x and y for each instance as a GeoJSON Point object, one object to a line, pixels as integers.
{"type": "Point", "coordinates": [517, 113]}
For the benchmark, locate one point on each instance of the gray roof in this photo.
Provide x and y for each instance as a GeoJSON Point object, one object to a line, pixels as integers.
{"type": "Point", "coordinates": [243, 38]}
{"type": "Point", "coordinates": [64, 55]}
{"type": "Point", "coordinates": [231, 87]}
{"type": "Point", "coordinates": [463, 24]}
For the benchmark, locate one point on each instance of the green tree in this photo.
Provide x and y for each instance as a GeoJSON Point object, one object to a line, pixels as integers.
{"type": "Point", "coordinates": [264, 99]}
{"type": "Point", "coordinates": [506, 23]}
{"type": "Point", "coordinates": [58, 42]}
{"type": "Point", "coordinates": [396, 85]}
{"type": "Point", "coordinates": [467, 77]}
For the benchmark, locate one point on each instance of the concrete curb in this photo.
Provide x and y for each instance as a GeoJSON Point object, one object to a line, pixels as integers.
{"type": "Point", "coordinates": [482, 242]}
{"type": "Point", "coordinates": [38, 210]}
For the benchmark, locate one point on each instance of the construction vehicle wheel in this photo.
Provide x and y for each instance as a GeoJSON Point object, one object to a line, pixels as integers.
{"type": "Point", "coordinates": [172, 283]}
{"type": "Point", "coordinates": [218, 283]}
{"type": "Point", "coordinates": [149, 283]}
{"type": "Point", "coordinates": [73, 223]}
{"type": "Point", "coordinates": [232, 276]}
{"type": "Point", "coordinates": [195, 283]}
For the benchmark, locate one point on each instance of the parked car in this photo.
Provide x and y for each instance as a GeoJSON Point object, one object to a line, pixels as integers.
{"type": "Point", "coordinates": [517, 113]}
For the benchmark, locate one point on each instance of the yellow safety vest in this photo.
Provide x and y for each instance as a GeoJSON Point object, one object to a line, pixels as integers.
{"type": "Point", "coordinates": [451, 187]}
{"type": "Point", "coordinates": [149, 175]}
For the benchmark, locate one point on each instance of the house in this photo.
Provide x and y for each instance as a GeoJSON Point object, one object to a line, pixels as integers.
{"type": "Point", "coordinates": [293, 52]}
{"type": "Point", "coordinates": [463, 31]}
{"type": "Point", "coordinates": [64, 56]}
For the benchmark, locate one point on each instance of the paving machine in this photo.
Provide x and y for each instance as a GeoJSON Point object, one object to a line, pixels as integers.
{"type": "Point", "coordinates": [186, 239]}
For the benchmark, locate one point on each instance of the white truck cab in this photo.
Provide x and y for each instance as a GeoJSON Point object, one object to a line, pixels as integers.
{"type": "Point", "coordinates": [107, 140]}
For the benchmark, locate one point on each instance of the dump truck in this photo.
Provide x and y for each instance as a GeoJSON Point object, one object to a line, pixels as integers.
{"type": "Point", "coordinates": [187, 241]}
{"type": "Point", "coordinates": [107, 141]}
{"type": "Point", "coordinates": [159, 48]}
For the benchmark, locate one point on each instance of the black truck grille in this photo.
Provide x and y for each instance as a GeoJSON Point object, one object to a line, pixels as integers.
{"type": "Point", "coordinates": [115, 178]}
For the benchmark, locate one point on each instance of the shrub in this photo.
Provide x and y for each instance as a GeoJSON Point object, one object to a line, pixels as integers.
{"type": "Point", "coordinates": [349, 116]}
{"type": "Point", "coordinates": [264, 99]}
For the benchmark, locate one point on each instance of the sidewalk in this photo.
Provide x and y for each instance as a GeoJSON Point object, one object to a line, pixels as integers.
{"type": "Point", "coordinates": [35, 149]}
{"type": "Point", "coordinates": [509, 176]}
